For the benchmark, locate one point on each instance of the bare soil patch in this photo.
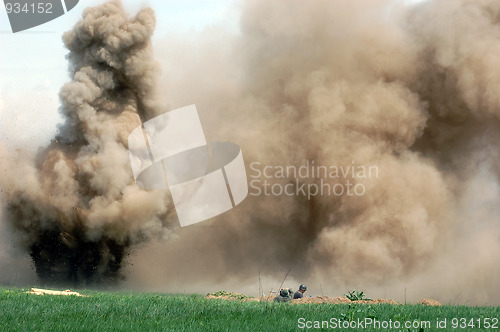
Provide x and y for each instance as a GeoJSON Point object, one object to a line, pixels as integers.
{"type": "Point", "coordinates": [430, 302]}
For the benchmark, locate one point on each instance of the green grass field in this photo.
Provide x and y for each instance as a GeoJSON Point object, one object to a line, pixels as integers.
{"type": "Point", "coordinates": [113, 311]}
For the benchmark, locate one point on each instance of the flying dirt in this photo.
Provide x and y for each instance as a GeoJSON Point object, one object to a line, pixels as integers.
{"type": "Point", "coordinates": [407, 88]}
{"type": "Point", "coordinates": [75, 204]}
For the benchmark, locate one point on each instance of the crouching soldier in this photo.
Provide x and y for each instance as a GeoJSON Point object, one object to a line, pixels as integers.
{"type": "Point", "coordinates": [300, 293]}
{"type": "Point", "coordinates": [283, 296]}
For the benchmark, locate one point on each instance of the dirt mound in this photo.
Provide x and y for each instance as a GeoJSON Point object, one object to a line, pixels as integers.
{"type": "Point", "coordinates": [40, 291]}
{"type": "Point", "coordinates": [337, 300]}
{"type": "Point", "coordinates": [322, 299]}
{"type": "Point", "coordinates": [269, 298]}
{"type": "Point", "coordinates": [223, 295]}
{"type": "Point", "coordinates": [430, 302]}
{"type": "Point", "coordinates": [229, 297]}
{"type": "Point", "coordinates": [378, 301]}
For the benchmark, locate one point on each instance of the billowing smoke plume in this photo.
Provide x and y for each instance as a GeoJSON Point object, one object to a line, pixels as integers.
{"type": "Point", "coordinates": [76, 204]}
{"type": "Point", "coordinates": [409, 89]}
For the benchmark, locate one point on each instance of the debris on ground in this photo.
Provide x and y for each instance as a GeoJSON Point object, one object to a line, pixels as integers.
{"type": "Point", "coordinates": [40, 291]}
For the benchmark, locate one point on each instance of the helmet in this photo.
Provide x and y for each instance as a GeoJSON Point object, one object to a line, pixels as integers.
{"type": "Point", "coordinates": [303, 287]}
{"type": "Point", "coordinates": [284, 292]}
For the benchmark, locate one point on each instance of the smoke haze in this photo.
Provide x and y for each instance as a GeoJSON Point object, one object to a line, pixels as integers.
{"type": "Point", "coordinates": [408, 88]}
{"type": "Point", "coordinates": [75, 205]}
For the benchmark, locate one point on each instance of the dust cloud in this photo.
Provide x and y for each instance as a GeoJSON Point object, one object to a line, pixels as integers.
{"type": "Point", "coordinates": [75, 205]}
{"type": "Point", "coordinates": [408, 88]}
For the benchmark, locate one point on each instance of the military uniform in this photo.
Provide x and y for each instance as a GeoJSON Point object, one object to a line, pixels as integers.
{"type": "Point", "coordinates": [298, 295]}
{"type": "Point", "coordinates": [284, 296]}
{"type": "Point", "coordinates": [281, 299]}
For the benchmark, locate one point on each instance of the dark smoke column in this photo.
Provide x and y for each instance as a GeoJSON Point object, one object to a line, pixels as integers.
{"type": "Point", "coordinates": [78, 208]}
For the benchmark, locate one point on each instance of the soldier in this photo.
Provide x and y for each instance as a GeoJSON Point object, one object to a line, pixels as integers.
{"type": "Point", "coordinates": [300, 293]}
{"type": "Point", "coordinates": [283, 297]}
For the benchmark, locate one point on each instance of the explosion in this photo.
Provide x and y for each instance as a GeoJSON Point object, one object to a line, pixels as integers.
{"type": "Point", "coordinates": [407, 88]}
{"type": "Point", "coordinates": [76, 204]}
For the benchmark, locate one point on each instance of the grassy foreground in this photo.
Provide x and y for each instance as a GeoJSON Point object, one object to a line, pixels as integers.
{"type": "Point", "coordinates": [154, 312]}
